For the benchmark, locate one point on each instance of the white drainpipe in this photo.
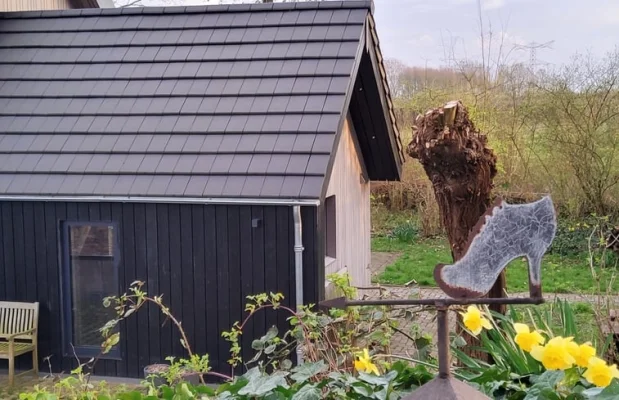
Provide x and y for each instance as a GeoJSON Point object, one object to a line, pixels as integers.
{"type": "Point", "coordinates": [298, 265]}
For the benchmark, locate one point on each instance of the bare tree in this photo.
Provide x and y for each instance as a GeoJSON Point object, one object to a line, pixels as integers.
{"type": "Point", "coordinates": [581, 123]}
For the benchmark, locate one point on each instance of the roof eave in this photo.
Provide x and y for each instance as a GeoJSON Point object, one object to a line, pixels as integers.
{"type": "Point", "coordinates": [344, 112]}
{"type": "Point", "coordinates": [385, 96]}
{"type": "Point", "coordinates": [88, 3]}
{"type": "Point", "coordinates": [164, 199]}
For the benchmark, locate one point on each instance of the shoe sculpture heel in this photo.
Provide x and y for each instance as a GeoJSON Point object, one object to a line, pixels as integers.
{"type": "Point", "coordinates": [504, 233]}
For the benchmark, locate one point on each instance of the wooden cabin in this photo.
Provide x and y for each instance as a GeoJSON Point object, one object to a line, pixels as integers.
{"type": "Point", "coordinates": [212, 152]}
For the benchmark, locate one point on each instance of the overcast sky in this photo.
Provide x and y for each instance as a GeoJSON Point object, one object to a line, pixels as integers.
{"type": "Point", "coordinates": [429, 32]}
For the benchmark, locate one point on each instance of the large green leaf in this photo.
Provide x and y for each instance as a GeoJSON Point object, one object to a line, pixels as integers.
{"type": "Point", "coordinates": [307, 392]}
{"type": "Point", "coordinates": [306, 371]}
{"type": "Point", "coordinates": [380, 380]}
{"type": "Point", "coordinates": [611, 392]}
{"type": "Point", "coordinates": [262, 385]}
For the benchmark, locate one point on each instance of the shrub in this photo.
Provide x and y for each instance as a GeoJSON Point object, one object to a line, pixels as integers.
{"type": "Point", "coordinates": [405, 232]}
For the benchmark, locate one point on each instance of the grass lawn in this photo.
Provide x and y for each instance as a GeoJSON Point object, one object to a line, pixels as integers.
{"type": "Point", "coordinates": [560, 274]}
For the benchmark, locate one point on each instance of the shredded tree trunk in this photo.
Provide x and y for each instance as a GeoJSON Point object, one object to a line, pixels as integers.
{"type": "Point", "coordinates": [461, 167]}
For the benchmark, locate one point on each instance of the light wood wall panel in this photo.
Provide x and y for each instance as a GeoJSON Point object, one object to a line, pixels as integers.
{"type": "Point", "coordinates": [33, 5]}
{"type": "Point", "coordinates": [352, 196]}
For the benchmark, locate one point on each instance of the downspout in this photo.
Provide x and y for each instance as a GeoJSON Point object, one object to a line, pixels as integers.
{"type": "Point", "coordinates": [298, 266]}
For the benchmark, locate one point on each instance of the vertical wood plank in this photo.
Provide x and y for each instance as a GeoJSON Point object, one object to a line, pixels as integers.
{"type": "Point", "coordinates": [270, 258]}
{"type": "Point", "coordinates": [52, 264]}
{"type": "Point", "coordinates": [223, 279]}
{"type": "Point", "coordinates": [163, 255]}
{"type": "Point", "coordinates": [186, 268]}
{"type": "Point", "coordinates": [176, 293]}
{"type": "Point", "coordinates": [66, 212]}
{"type": "Point", "coordinates": [9, 253]}
{"type": "Point", "coordinates": [247, 274]}
{"type": "Point", "coordinates": [284, 277]}
{"type": "Point", "coordinates": [258, 258]}
{"type": "Point", "coordinates": [30, 252]}
{"type": "Point", "coordinates": [40, 251]}
{"type": "Point", "coordinates": [152, 283]}
{"type": "Point", "coordinates": [18, 247]}
{"type": "Point", "coordinates": [141, 274]}
{"type": "Point", "coordinates": [211, 292]}
{"type": "Point", "coordinates": [3, 251]}
{"type": "Point", "coordinates": [352, 211]}
{"type": "Point", "coordinates": [235, 247]}
{"type": "Point", "coordinates": [199, 279]}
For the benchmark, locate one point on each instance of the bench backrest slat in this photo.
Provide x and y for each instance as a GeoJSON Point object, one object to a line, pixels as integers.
{"type": "Point", "coordinates": [18, 317]}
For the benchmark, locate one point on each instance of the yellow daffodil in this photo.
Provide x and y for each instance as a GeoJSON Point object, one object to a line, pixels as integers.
{"type": "Point", "coordinates": [582, 354]}
{"type": "Point", "coordinates": [527, 339]}
{"type": "Point", "coordinates": [474, 320]}
{"type": "Point", "coordinates": [555, 355]}
{"type": "Point", "coordinates": [599, 373]}
{"type": "Point", "coordinates": [364, 363]}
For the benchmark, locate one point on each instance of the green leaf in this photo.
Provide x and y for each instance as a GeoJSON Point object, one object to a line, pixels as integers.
{"type": "Point", "coordinates": [550, 378]}
{"type": "Point", "coordinates": [307, 392]}
{"type": "Point", "coordinates": [286, 365]}
{"type": "Point", "coordinates": [381, 380]}
{"type": "Point", "coordinates": [203, 389]}
{"type": "Point", "coordinates": [610, 392]}
{"type": "Point", "coordinates": [262, 385]}
{"type": "Point", "coordinates": [257, 344]}
{"type": "Point", "coordinates": [134, 395]}
{"type": "Point", "coordinates": [271, 334]}
{"type": "Point", "coordinates": [306, 371]}
{"type": "Point", "coordinates": [270, 349]}
{"type": "Point", "coordinates": [183, 390]}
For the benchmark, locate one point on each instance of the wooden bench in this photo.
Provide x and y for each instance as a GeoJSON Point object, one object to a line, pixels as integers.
{"type": "Point", "coordinates": [18, 333]}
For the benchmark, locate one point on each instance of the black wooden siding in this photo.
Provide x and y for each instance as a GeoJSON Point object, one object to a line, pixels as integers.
{"type": "Point", "coordinates": [204, 259]}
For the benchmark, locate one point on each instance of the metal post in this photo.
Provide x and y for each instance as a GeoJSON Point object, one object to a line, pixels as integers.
{"type": "Point", "coordinates": [444, 361]}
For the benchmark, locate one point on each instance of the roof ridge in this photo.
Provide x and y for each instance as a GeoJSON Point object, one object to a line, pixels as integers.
{"type": "Point", "coordinates": [218, 8]}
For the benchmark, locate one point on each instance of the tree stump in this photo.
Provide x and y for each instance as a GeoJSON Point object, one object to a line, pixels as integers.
{"type": "Point", "coordinates": [461, 167]}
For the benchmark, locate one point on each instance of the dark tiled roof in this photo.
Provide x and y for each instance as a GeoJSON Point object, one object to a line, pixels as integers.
{"type": "Point", "coordinates": [217, 101]}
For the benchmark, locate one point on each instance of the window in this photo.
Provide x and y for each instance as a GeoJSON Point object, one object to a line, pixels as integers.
{"type": "Point", "coordinates": [331, 227]}
{"type": "Point", "coordinates": [90, 273]}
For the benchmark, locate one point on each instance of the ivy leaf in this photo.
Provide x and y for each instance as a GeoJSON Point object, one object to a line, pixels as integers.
{"type": "Point", "coordinates": [262, 385]}
{"type": "Point", "coordinates": [307, 392]}
{"type": "Point", "coordinates": [379, 380]}
{"type": "Point", "coordinates": [308, 370]}
{"type": "Point", "coordinates": [271, 334]}
{"type": "Point", "coordinates": [549, 378]}
{"type": "Point", "coordinates": [610, 392]}
{"type": "Point", "coordinates": [270, 349]}
{"type": "Point", "coordinates": [257, 344]}
{"type": "Point", "coordinates": [286, 365]}
{"type": "Point", "coordinates": [362, 389]}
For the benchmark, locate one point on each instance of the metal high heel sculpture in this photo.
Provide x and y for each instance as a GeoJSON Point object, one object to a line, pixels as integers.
{"type": "Point", "coordinates": [505, 232]}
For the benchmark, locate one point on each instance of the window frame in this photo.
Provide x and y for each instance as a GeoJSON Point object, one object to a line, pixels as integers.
{"type": "Point", "coordinates": [69, 349]}
{"type": "Point", "coordinates": [331, 228]}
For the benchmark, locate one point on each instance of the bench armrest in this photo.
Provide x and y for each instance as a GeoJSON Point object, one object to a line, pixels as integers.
{"type": "Point", "coordinates": [12, 337]}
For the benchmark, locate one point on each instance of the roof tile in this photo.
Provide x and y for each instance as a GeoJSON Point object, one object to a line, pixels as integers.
{"type": "Point", "coordinates": [176, 101]}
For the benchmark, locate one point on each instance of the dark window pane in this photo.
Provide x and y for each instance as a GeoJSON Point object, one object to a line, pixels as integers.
{"type": "Point", "coordinates": [331, 236]}
{"type": "Point", "coordinates": [93, 275]}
